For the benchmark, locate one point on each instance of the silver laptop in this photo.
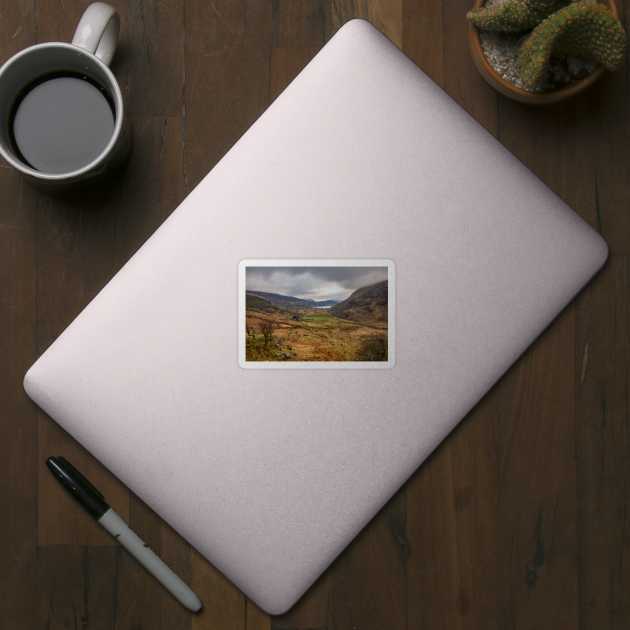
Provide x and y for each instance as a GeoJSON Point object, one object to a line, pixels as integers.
{"type": "Point", "coordinates": [317, 315]}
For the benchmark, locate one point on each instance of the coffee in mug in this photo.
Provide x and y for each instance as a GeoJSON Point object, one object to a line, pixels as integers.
{"type": "Point", "coordinates": [65, 128]}
{"type": "Point", "coordinates": [61, 122]}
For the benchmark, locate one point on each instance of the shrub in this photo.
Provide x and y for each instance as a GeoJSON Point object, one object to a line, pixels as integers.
{"type": "Point", "coordinates": [372, 348]}
{"type": "Point", "coordinates": [266, 330]}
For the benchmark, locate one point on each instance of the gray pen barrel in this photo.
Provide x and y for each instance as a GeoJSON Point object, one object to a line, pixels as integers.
{"type": "Point", "coordinates": [149, 559]}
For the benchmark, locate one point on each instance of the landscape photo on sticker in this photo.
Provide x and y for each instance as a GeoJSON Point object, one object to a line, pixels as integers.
{"type": "Point", "coordinates": [318, 313]}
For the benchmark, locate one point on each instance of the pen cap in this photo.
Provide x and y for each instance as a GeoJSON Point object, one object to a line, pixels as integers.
{"type": "Point", "coordinates": [78, 486]}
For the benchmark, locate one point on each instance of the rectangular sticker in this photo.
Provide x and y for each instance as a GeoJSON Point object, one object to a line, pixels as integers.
{"type": "Point", "coordinates": [316, 314]}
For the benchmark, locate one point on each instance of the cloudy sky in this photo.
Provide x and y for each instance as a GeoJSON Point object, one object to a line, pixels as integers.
{"type": "Point", "coordinates": [313, 283]}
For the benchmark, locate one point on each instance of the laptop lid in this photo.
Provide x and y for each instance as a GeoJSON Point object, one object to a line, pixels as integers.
{"type": "Point", "coordinates": [365, 185]}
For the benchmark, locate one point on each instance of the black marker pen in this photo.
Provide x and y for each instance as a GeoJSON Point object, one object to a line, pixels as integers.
{"type": "Point", "coordinates": [94, 502]}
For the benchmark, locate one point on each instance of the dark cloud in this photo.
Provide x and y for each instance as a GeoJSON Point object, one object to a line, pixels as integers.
{"type": "Point", "coordinates": [315, 283]}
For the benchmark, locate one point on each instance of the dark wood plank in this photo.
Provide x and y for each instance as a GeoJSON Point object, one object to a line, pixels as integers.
{"type": "Point", "coordinates": [369, 577]}
{"type": "Point", "coordinates": [422, 36]}
{"type": "Point", "coordinates": [18, 416]}
{"type": "Point", "coordinates": [300, 22]}
{"type": "Point", "coordinates": [565, 149]}
{"type": "Point", "coordinates": [18, 423]}
{"type": "Point", "coordinates": [452, 527]}
{"type": "Point", "coordinates": [226, 78]}
{"type": "Point", "coordinates": [76, 587]}
{"type": "Point", "coordinates": [17, 28]}
{"type": "Point", "coordinates": [386, 15]}
{"type": "Point", "coordinates": [461, 78]}
{"type": "Point", "coordinates": [603, 443]}
{"type": "Point", "coordinates": [571, 147]}
{"type": "Point", "coordinates": [608, 136]}
{"type": "Point", "coordinates": [154, 57]}
{"type": "Point", "coordinates": [537, 537]}
{"type": "Point", "coordinates": [608, 126]}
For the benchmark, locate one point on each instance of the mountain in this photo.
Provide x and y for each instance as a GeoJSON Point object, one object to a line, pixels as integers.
{"type": "Point", "coordinates": [367, 304]}
{"type": "Point", "coordinates": [255, 303]}
{"type": "Point", "coordinates": [288, 302]}
{"type": "Point", "coordinates": [282, 301]}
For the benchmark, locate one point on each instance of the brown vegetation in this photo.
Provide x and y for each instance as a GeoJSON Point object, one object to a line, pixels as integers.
{"type": "Point", "coordinates": [318, 337]}
{"type": "Point", "coordinates": [373, 348]}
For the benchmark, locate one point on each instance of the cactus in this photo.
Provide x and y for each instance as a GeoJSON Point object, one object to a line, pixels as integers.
{"type": "Point", "coordinates": [513, 16]}
{"type": "Point", "coordinates": [584, 29]}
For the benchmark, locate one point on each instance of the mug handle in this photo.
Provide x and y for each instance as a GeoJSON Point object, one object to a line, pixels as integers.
{"type": "Point", "coordinates": [98, 30]}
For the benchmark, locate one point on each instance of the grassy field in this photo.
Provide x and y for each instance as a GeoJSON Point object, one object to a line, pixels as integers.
{"type": "Point", "coordinates": [315, 337]}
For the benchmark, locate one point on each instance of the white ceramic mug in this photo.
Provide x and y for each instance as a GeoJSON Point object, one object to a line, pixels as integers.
{"type": "Point", "coordinates": [88, 58]}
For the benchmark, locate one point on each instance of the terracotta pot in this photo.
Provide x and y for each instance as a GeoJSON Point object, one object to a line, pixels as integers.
{"type": "Point", "coordinates": [518, 94]}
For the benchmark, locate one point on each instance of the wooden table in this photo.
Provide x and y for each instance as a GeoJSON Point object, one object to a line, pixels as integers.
{"type": "Point", "coordinates": [518, 520]}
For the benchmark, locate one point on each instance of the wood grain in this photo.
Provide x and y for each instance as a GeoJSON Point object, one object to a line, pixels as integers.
{"type": "Point", "coordinates": [537, 510]}
{"type": "Point", "coordinates": [57, 22]}
{"type": "Point", "coordinates": [300, 22]}
{"type": "Point", "coordinates": [76, 587]}
{"type": "Point", "coordinates": [602, 380]}
{"type": "Point", "coordinates": [574, 150]}
{"type": "Point", "coordinates": [18, 416]}
{"type": "Point", "coordinates": [517, 520]}
{"type": "Point", "coordinates": [452, 516]}
{"type": "Point", "coordinates": [609, 133]}
{"type": "Point", "coordinates": [461, 79]}
{"type": "Point", "coordinates": [226, 78]}
{"type": "Point", "coordinates": [154, 57]}
{"type": "Point", "coordinates": [386, 15]}
{"type": "Point", "coordinates": [369, 577]}
{"type": "Point", "coordinates": [422, 36]}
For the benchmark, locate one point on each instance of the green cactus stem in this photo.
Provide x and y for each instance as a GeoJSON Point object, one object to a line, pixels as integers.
{"type": "Point", "coordinates": [583, 29]}
{"type": "Point", "coordinates": [513, 16]}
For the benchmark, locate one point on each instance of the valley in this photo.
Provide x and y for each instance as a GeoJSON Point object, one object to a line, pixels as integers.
{"type": "Point", "coordinates": [355, 329]}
